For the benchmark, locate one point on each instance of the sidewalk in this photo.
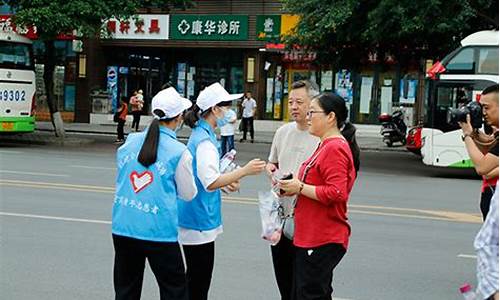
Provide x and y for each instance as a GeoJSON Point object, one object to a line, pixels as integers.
{"type": "Point", "coordinates": [368, 136]}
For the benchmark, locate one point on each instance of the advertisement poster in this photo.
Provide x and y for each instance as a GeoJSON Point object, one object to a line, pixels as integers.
{"type": "Point", "coordinates": [366, 95]}
{"type": "Point", "coordinates": [408, 91]}
{"type": "Point", "coordinates": [386, 100]}
{"type": "Point", "coordinates": [343, 85]}
{"type": "Point", "coordinates": [181, 78]}
{"type": "Point", "coordinates": [112, 86]}
{"type": "Point", "coordinates": [269, 95]}
{"type": "Point", "coordinates": [326, 81]}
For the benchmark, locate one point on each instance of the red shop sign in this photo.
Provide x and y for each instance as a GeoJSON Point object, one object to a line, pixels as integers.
{"type": "Point", "coordinates": [7, 25]}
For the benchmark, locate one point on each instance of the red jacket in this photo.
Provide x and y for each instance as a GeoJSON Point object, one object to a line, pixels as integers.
{"type": "Point", "coordinates": [331, 171]}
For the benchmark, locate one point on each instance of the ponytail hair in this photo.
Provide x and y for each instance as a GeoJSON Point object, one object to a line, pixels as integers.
{"type": "Point", "coordinates": [331, 102]}
{"type": "Point", "coordinates": [349, 133]}
{"type": "Point", "coordinates": [192, 116]}
{"type": "Point", "coordinates": [149, 150]}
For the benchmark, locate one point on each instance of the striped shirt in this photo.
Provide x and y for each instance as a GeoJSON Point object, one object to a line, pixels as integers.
{"type": "Point", "coordinates": [486, 245]}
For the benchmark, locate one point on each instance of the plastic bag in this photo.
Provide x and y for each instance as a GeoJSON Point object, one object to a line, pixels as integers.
{"type": "Point", "coordinates": [272, 222]}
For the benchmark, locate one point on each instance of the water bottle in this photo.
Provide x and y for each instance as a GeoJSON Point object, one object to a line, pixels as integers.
{"type": "Point", "coordinates": [227, 161]}
{"type": "Point", "coordinates": [468, 292]}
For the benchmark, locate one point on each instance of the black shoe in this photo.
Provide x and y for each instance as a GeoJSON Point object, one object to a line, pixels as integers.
{"type": "Point", "coordinates": [251, 141]}
{"type": "Point", "coordinates": [241, 140]}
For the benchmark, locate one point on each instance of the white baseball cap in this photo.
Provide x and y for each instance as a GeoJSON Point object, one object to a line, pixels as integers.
{"type": "Point", "coordinates": [213, 95]}
{"type": "Point", "coordinates": [170, 103]}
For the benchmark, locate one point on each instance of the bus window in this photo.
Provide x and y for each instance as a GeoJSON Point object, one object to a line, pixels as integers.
{"type": "Point", "coordinates": [449, 97]}
{"type": "Point", "coordinates": [15, 55]}
{"type": "Point", "coordinates": [488, 60]}
{"type": "Point", "coordinates": [462, 62]}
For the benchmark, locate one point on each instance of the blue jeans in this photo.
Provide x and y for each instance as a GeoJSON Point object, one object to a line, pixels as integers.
{"type": "Point", "coordinates": [226, 144]}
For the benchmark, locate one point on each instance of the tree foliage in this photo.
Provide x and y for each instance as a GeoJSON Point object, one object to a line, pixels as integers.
{"type": "Point", "coordinates": [346, 30]}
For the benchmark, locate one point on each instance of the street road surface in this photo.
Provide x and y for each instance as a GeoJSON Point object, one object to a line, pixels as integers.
{"type": "Point", "coordinates": [412, 229]}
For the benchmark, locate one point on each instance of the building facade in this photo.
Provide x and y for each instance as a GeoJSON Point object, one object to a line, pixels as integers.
{"type": "Point", "coordinates": [234, 42]}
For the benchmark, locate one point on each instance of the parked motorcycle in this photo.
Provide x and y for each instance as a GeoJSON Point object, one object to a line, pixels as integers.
{"type": "Point", "coordinates": [393, 127]}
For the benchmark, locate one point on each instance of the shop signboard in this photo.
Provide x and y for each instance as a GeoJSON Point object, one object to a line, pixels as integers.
{"type": "Point", "coordinates": [7, 25]}
{"type": "Point", "coordinates": [139, 27]}
{"type": "Point", "coordinates": [268, 28]}
{"type": "Point", "coordinates": [209, 27]}
{"type": "Point", "coordinates": [112, 78]}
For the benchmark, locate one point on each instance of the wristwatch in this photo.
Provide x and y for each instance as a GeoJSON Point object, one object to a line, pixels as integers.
{"type": "Point", "coordinates": [466, 135]}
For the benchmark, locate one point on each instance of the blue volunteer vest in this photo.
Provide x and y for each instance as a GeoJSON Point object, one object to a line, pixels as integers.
{"type": "Point", "coordinates": [204, 211]}
{"type": "Point", "coordinates": [145, 205]}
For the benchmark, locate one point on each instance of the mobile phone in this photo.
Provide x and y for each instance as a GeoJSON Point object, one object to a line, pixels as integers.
{"type": "Point", "coordinates": [286, 177]}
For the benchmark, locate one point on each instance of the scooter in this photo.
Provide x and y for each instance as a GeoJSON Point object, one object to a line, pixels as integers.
{"type": "Point", "coordinates": [393, 127]}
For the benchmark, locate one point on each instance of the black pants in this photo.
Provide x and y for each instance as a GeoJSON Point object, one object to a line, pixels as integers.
{"type": "Point", "coordinates": [486, 200]}
{"type": "Point", "coordinates": [314, 271]}
{"type": "Point", "coordinates": [165, 260]}
{"type": "Point", "coordinates": [200, 264]}
{"type": "Point", "coordinates": [119, 129]}
{"type": "Point", "coordinates": [283, 255]}
{"type": "Point", "coordinates": [136, 120]}
{"type": "Point", "coordinates": [247, 126]}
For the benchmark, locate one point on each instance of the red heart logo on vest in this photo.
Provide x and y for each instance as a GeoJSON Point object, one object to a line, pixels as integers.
{"type": "Point", "coordinates": [140, 181]}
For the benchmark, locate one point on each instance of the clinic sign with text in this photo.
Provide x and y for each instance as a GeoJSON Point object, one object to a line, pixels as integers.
{"type": "Point", "coordinates": [209, 27]}
{"type": "Point", "coordinates": [268, 28]}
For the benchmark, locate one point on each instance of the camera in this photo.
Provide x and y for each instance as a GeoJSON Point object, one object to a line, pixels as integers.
{"type": "Point", "coordinates": [473, 108]}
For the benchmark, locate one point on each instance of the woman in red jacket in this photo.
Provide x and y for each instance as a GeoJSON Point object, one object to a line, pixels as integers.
{"type": "Point", "coordinates": [322, 187]}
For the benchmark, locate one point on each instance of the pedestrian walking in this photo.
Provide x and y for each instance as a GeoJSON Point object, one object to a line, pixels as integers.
{"type": "Point", "coordinates": [154, 170]}
{"type": "Point", "coordinates": [200, 220]}
{"type": "Point", "coordinates": [122, 118]}
{"type": "Point", "coordinates": [227, 131]}
{"type": "Point", "coordinates": [136, 103]}
{"type": "Point", "coordinates": [249, 106]}
{"type": "Point", "coordinates": [323, 186]}
{"type": "Point", "coordinates": [292, 145]}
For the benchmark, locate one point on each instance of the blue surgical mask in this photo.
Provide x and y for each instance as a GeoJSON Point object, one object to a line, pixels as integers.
{"type": "Point", "coordinates": [224, 120]}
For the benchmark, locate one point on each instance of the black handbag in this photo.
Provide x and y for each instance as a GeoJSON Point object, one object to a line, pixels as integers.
{"type": "Point", "coordinates": [116, 117]}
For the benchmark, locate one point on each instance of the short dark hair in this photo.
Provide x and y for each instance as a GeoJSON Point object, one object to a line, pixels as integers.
{"type": "Point", "coordinates": [311, 87]}
{"type": "Point", "coordinates": [490, 89]}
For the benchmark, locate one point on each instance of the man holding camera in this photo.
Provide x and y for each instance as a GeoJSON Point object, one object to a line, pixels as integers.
{"type": "Point", "coordinates": [483, 152]}
{"type": "Point", "coordinates": [483, 148]}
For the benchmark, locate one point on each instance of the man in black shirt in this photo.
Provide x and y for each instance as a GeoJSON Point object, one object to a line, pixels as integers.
{"type": "Point", "coordinates": [483, 148]}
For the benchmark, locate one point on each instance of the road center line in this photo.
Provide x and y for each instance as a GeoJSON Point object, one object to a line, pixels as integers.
{"type": "Point", "coordinates": [89, 167]}
{"type": "Point", "coordinates": [467, 256]}
{"type": "Point", "coordinates": [356, 209]}
{"type": "Point", "coordinates": [33, 173]}
{"type": "Point", "coordinates": [54, 218]}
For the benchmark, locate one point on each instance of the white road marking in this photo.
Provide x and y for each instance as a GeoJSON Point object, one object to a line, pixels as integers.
{"type": "Point", "coordinates": [467, 256]}
{"type": "Point", "coordinates": [89, 167]}
{"type": "Point", "coordinates": [11, 152]}
{"type": "Point", "coordinates": [54, 218]}
{"type": "Point", "coordinates": [34, 173]}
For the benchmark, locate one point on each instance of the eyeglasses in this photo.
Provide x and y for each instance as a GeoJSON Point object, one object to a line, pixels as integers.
{"type": "Point", "coordinates": [311, 112]}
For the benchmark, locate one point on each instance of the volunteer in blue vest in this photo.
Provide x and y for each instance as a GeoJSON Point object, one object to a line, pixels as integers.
{"type": "Point", "coordinates": [153, 171]}
{"type": "Point", "coordinates": [200, 220]}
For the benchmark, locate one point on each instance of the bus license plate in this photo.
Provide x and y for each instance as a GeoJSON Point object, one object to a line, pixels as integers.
{"type": "Point", "coordinates": [8, 126]}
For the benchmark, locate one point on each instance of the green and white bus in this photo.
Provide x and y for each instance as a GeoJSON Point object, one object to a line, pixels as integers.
{"type": "Point", "coordinates": [460, 78]}
{"type": "Point", "coordinates": [17, 84]}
